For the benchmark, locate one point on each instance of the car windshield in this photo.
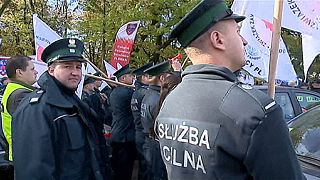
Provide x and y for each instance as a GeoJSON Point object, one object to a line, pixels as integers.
{"type": "Point", "coordinates": [305, 133]}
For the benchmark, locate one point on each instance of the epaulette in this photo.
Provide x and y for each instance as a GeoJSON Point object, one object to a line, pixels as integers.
{"type": "Point", "coordinates": [36, 97]}
{"type": "Point", "coordinates": [265, 101]}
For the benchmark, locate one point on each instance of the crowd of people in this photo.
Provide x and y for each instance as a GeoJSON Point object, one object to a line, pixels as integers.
{"type": "Point", "coordinates": [201, 123]}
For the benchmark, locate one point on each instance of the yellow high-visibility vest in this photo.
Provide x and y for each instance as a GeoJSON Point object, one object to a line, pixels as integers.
{"type": "Point", "coordinates": [6, 117]}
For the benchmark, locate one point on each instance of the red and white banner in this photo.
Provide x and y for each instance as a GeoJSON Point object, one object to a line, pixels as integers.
{"type": "Point", "coordinates": [124, 44]}
{"type": "Point", "coordinates": [44, 36]}
{"type": "Point", "coordinates": [258, 33]}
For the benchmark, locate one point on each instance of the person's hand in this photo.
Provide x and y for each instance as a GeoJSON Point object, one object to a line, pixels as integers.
{"type": "Point", "coordinates": [104, 97]}
{"type": "Point", "coordinates": [176, 65]}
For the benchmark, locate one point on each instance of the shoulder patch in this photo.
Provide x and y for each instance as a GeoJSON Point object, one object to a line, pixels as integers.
{"type": "Point", "coordinates": [36, 97]}
{"type": "Point", "coordinates": [270, 105]}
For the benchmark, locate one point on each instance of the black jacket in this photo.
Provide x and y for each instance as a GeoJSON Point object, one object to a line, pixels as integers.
{"type": "Point", "coordinates": [149, 108]}
{"type": "Point", "coordinates": [122, 127]}
{"type": "Point", "coordinates": [54, 136]}
{"type": "Point", "coordinates": [137, 96]}
{"type": "Point", "coordinates": [212, 127]}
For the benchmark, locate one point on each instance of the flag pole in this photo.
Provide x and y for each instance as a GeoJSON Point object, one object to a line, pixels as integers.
{"type": "Point", "coordinates": [274, 52]}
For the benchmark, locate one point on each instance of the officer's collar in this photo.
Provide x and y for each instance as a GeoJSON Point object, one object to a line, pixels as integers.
{"type": "Point", "coordinates": [155, 87]}
{"type": "Point", "coordinates": [212, 70]}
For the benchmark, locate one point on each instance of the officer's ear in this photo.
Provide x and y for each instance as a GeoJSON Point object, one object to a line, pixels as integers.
{"type": "Point", "coordinates": [51, 69]}
{"type": "Point", "coordinates": [217, 40]}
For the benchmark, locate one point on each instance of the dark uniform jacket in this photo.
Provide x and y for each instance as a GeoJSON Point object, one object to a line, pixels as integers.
{"type": "Point", "coordinates": [54, 136]}
{"type": "Point", "coordinates": [212, 127]}
{"type": "Point", "coordinates": [101, 107]}
{"type": "Point", "coordinates": [149, 107]}
{"type": "Point", "coordinates": [122, 127]}
{"type": "Point", "coordinates": [137, 96]}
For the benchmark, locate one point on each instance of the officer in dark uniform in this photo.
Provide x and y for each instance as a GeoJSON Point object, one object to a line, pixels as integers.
{"type": "Point", "coordinates": [88, 87]}
{"type": "Point", "coordinates": [54, 132]}
{"type": "Point", "coordinates": [122, 127]}
{"type": "Point", "coordinates": [149, 105]}
{"type": "Point", "coordinates": [137, 96]}
{"type": "Point", "coordinates": [211, 126]}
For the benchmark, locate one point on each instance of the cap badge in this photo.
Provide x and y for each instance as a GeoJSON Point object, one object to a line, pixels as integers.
{"type": "Point", "coordinates": [72, 43]}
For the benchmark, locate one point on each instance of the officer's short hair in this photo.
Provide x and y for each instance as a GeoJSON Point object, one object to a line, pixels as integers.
{"type": "Point", "coordinates": [16, 62]}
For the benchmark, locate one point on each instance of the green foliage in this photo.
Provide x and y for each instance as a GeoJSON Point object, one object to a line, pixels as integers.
{"type": "Point", "coordinates": [102, 19]}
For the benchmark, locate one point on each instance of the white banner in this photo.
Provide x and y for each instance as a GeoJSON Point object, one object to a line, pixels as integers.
{"type": "Point", "coordinates": [258, 33]}
{"type": "Point", "coordinates": [298, 15]}
{"type": "Point", "coordinates": [44, 36]}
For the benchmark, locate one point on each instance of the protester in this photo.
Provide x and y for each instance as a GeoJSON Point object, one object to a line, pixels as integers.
{"type": "Point", "coordinates": [22, 75]}
{"type": "Point", "coordinates": [141, 86]}
{"type": "Point", "coordinates": [54, 132]}
{"type": "Point", "coordinates": [122, 128]}
{"type": "Point", "coordinates": [212, 127]}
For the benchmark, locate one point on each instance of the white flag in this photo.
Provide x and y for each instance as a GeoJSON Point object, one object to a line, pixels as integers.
{"type": "Point", "coordinates": [310, 49]}
{"type": "Point", "coordinates": [258, 33]}
{"type": "Point", "coordinates": [109, 68]}
{"type": "Point", "coordinates": [90, 69]}
{"type": "Point", "coordinates": [43, 34]}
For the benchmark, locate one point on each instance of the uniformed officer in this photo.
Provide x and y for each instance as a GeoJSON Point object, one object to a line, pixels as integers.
{"type": "Point", "coordinates": [54, 132]}
{"type": "Point", "coordinates": [212, 127]}
{"type": "Point", "coordinates": [149, 106]}
{"type": "Point", "coordinates": [141, 86]}
{"type": "Point", "coordinates": [88, 87]}
{"type": "Point", "coordinates": [122, 127]}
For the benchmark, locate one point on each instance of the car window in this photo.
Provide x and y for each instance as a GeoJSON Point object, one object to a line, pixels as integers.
{"type": "Point", "coordinates": [305, 133]}
{"type": "Point", "coordinates": [284, 101]}
{"type": "Point", "coordinates": [306, 100]}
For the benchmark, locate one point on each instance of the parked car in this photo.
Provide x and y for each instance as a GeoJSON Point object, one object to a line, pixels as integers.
{"type": "Point", "coordinates": [293, 101]}
{"type": "Point", "coordinates": [305, 135]}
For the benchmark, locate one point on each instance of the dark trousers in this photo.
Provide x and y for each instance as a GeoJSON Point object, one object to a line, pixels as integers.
{"type": "Point", "coordinates": [6, 172]}
{"type": "Point", "coordinates": [142, 171]}
{"type": "Point", "coordinates": [156, 167]}
{"type": "Point", "coordinates": [123, 156]}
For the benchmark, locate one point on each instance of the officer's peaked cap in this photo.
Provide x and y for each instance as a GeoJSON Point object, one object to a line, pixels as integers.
{"type": "Point", "coordinates": [88, 80]}
{"type": "Point", "coordinates": [200, 19]}
{"type": "Point", "coordinates": [67, 49]}
{"type": "Point", "coordinates": [140, 71]}
{"type": "Point", "coordinates": [122, 71]}
{"type": "Point", "coordinates": [158, 69]}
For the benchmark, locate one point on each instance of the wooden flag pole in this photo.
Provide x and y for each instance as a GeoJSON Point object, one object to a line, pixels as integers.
{"type": "Point", "coordinates": [110, 81]}
{"type": "Point", "coordinates": [105, 77]}
{"type": "Point", "coordinates": [184, 62]}
{"type": "Point", "coordinates": [277, 18]}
